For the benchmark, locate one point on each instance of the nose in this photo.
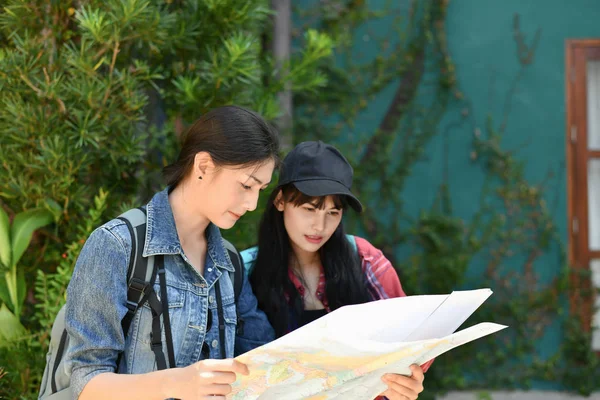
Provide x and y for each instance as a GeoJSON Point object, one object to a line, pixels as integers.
{"type": "Point", "coordinates": [318, 223]}
{"type": "Point", "coordinates": [252, 201]}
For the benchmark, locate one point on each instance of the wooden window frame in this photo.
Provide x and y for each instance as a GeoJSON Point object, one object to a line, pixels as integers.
{"type": "Point", "coordinates": [577, 52]}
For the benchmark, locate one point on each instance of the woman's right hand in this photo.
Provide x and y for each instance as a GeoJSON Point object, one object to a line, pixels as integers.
{"type": "Point", "coordinates": [206, 379]}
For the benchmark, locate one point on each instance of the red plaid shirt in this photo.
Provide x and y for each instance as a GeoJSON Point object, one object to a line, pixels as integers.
{"type": "Point", "coordinates": [382, 279]}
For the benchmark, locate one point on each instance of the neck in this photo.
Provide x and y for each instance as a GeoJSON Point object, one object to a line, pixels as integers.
{"type": "Point", "coordinates": [305, 260]}
{"type": "Point", "coordinates": [190, 223]}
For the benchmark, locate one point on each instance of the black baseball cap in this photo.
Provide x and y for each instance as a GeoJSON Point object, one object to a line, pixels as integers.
{"type": "Point", "coordinates": [319, 169]}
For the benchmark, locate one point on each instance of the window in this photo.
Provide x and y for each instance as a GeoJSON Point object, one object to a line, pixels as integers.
{"type": "Point", "coordinates": [583, 183]}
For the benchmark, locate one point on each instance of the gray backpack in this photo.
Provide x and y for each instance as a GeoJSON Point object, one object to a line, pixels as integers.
{"type": "Point", "coordinates": [142, 273]}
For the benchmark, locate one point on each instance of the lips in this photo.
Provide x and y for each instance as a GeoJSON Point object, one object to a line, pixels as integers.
{"type": "Point", "coordinates": [234, 215]}
{"type": "Point", "coordinates": [313, 239]}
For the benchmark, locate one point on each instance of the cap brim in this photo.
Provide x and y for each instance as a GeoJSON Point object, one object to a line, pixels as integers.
{"type": "Point", "coordinates": [326, 187]}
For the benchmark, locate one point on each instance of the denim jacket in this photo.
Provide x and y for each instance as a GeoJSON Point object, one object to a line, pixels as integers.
{"type": "Point", "coordinates": [97, 296]}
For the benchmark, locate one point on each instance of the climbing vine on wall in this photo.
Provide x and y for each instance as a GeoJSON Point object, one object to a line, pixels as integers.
{"type": "Point", "coordinates": [512, 235]}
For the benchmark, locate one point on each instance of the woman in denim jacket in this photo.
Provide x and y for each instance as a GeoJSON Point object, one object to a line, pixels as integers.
{"type": "Point", "coordinates": [227, 157]}
{"type": "Point", "coordinates": [305, 266]}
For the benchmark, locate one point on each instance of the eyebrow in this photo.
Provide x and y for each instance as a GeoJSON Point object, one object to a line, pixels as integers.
{"type": "Point", "coordinates": [330, 208]}
{"type": "Point", "coordinates": [257, 180]}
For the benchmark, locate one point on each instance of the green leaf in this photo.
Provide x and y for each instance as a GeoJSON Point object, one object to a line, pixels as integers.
{"type": "Point", "coordinates": [4, 293]}
{"type": "Point", "coordinates": [4, 239]}
{"type": "Point", "coordinates": [21, 290]}
{"type": "Point", "coordinates": [54, 208]}
{"type": "Point", "coordinates": [12, 288]}
{"type": "Point", "coordinates": [23, 226]}
{"type": "Point", "coordinates": [10, 327]}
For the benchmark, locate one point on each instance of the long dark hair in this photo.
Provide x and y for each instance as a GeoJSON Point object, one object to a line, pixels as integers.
{"type": "Point", "coordinates": [232, 135]}
{"type": "Point", "coordinates": [345, 282]}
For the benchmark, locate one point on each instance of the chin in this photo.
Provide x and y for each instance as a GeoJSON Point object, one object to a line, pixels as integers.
{"type": "Point", "coordinates": [310, 248]}
{"type": "Point", "coordinates": [223, 223]}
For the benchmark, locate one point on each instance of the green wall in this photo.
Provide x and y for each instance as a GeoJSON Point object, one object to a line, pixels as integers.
{"type": "Point", "coordinates": [482, 45]}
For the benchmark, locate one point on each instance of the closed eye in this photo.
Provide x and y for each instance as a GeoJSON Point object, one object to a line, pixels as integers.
{"type": "Point", "coordinates": [246, 187]}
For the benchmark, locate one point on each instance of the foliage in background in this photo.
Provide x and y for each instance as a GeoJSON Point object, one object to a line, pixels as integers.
{"type": "Point", "coordinates": [94, 96]}
{"type": "Point", "coordinates": [14, 240]}
{"type": "Point", "coordinates": [51, 287]}
{"type": "Point", "coordinates": [26, 359]}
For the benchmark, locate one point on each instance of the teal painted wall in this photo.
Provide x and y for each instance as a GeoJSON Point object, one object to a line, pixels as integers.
{"type": "Point", "coordinates": [480, 39]}
{"type": "Point", "coordinates": [481, 43]}
{"type": "Point", "coordinates": [482, 46]}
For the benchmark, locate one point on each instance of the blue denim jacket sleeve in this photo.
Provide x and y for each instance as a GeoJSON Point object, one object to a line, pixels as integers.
{"type": "Point", "coordinates": [257, 330]}
{"type": "Point", "coordinates": [96, 298]}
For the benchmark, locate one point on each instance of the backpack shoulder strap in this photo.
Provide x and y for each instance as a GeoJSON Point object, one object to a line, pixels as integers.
{"type": "Point", "coordinates": [352, 241]}
{"type": "Point", "coordinates": [237, 276]}
{"type": "Point", "coordinates": [59, 340]}
{"type": "Point", "coordinates": [248, 258]}
{"type": "Point", "coordinates": [140, 272]}
{"type": "Point", "coordinates": [237, 279]}
{"type": "Point", "coordinates": [141, 275]}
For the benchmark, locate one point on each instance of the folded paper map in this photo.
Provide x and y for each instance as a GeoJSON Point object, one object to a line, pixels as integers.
{"type": "Point", "coordinates": [344, 354]}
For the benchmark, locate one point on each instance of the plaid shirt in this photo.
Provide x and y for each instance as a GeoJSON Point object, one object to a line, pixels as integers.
{"type": "Point", "coordinates": [381, 277]}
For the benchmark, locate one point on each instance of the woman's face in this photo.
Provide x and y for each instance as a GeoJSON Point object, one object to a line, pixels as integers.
{"type": "Point", "coordinates": [228, 193]}
{"type": "Point", "coordinates": [309, 227]}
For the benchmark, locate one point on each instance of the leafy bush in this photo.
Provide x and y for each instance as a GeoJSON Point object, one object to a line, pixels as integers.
{"type": "Point", "coordinates": [94, 96]}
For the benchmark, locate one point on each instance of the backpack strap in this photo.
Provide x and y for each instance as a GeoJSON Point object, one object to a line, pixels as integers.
{"type": "Point", "coordinates": [237, 280]}
{"type": "Point", "coordinates": [249, 258]}
{"type": "Point", "coordinates": [159, 308]}
{"type": "Point", "coordinates": [141, 275]}
{"type": "Point", "coordinates": [140, 270]}
{"type": "Point", "coordinates": [237, 275]}
{"type": "Point", "coordinates": [61, 349]}
{"type": "Point", "coordinates": [352, 241]}
{"type": "Point", "coordinates": [221, 320]}
{"type": "Point", "coordinates": [165, 308]}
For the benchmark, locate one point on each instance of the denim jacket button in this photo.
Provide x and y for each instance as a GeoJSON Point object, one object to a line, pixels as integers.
{"type": "Point", "coordinates": [211, 299]}
{"type": "Point", "coordinates": [215, 344]}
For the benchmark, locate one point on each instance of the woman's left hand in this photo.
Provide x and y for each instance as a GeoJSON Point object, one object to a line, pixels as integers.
{"type": "Point", "coordinates": [401, 387]}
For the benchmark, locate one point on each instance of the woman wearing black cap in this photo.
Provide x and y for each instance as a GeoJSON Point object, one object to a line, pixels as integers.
{"type": "Point", "coordinates": [305, 265]}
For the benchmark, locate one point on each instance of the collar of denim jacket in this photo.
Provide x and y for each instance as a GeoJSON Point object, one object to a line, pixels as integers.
{"type": "Point", "coordinates": [162, 238]}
